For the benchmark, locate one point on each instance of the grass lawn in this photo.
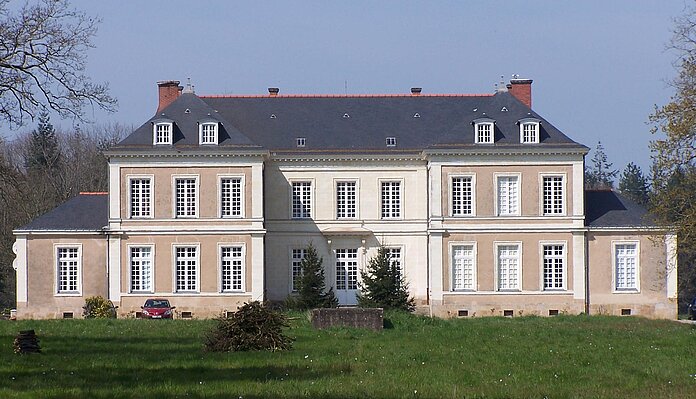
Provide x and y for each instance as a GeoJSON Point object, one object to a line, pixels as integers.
{"type": "Point", "coordinates": [528, 357]}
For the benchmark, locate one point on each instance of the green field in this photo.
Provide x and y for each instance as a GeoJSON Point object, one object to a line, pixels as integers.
{"type": "Point", "coordinates": [529, 357]}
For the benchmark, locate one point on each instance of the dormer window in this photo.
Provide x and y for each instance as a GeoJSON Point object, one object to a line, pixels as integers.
{"type": "Point", "coordinates": [484, 131]}
{"type": "Point", "coordinates": [162, 132]}
{"type": "Point", "coordinates": [529, 130]}
{"type": "Point", "coordinates": [208, 133]}
{"type": "Point", "coordinates": [391, 141]}
{"type": "Point", "coordinates": [301, 142]}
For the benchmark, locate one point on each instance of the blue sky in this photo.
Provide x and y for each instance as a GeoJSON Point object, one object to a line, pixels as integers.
{"type": "Point", "coordinates": [599, 67]}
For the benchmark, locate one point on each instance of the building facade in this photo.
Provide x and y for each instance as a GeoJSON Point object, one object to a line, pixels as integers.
{"type": "Point", "coordinates": [479, 200]}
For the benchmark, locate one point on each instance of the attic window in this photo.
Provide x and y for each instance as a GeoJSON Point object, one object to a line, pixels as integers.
{"type": "Point", "coordinates": [529, 130]}
{"type": "Point", "coordinates": [162, 133]}
{"type": "Point", "coordinates": [208, 133]}
{"type": "Point", "coordinates": [301, 141]}
{"type": "Point", "coordinates": [416, 115]}
{"type": "Point", "coordinates": [483, 132]}
{"type": "Point", "coordinates": [346, 115]}
{"type": "Point", "coordinates": [391, 141]}
{"type": "Point", "coordinates": [273, 116]}
{"type": "Point", "coordinates": [504, 109]}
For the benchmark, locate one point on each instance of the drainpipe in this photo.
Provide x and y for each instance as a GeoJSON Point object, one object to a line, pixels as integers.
{"type": "Point", "coordinates": [587, 272]}
{"type": "Point", "coordinates": [427, 241]}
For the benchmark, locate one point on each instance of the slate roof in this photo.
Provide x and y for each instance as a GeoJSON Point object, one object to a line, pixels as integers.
{"type": "Point", "coordinates": [607, 208]}
{"type": "Point", "coordinates": [348, 123]}
{"type": "Point", "coordinates": [85, 212]}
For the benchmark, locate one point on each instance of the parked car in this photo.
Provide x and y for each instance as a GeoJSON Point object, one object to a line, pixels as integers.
{"type": "Point", "coordinates": [157, 308]}
{"type": "Point", "coordinates": [691, 311]}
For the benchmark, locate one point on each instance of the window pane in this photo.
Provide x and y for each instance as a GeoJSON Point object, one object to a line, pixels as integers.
{"type": "Point", "coordinates": [554, 267]}
{"type": "Point", "coordinates": [508, 196]}
{"type": "Point", "coordinates": [463, 267]}
{"type": "Point", "coordinates": [296, 267]}
{"type": "Point", "coordinates": [462, 196]}
{"type": "Point", "coordinates": [626, 266]}
{"type": "Point", "coordinates": [186, 197]}
{"type": "Point", "coordinates": [345, 200]}
{"type": "Point", "coordinates": [186, 269]}
{"type": "Point", "coordinates": [231, 197]}
{"type": "Point", "coordinates": [553, 195]}
{"type": "Point", "coordinates": [301, 200]}
{"type": "Point", "coordinates": [232, 270]}
{"type": "Point", "coordinates": [140, 194]}
{"type": "Point", "coordinates": [141, 269]}
{"type": "Point", "coordinates": [391, 199]}
{"type": "Point", "coordinates": [508, 267]}
{"type": "Point", "coordinates": [68, 269]}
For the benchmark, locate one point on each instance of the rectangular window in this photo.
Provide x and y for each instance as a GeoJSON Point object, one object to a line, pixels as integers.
{"type": "Point", "coordinates": [347, 269]}
{"type": "Point", "coordinates": [231, 269]}
{"type": "Point", "coordinates": [530, 133]}
{"type": "Point", "coordinates": [186, 197]}
{"type": "Point", "coordinates": [140, 197]}
{"type": "Point", "coordinates": [346, 200]}
{"type": "Point", "coordinates": [462, 196]}
{"type": "Point", "coordinates": [209, 133]}
{"type": "Point", "coordinates": [553, 195]}
{"type": "Point", "coordinates": [68, 265]}
{"type": "Point", "coordinates": [626, 266]}
{"type": "Point", "coordinates": [163, 133]}
{"type": "Point", "coordinates": [301, 199]}
{"type": "Point", "coordinates": [141, 269]}
{"type": "Point", "coordinates": [230, 197]}
{"type": "Point", "coordinates": [394, 255]}
{"type": "Point", "coordinates": [296, 267]}
{"type": "Point", "coordinates": [186, 269]}
{"type": "Point", "coordinates": [463, 267]}
{"type": "Point", "coordinates": [508, 195]}
{"type": "Point", "coordinates": [391, 141]}
{"type": "Point", "coordinates": [484, 133]}
{"type": "Point", "coordinates": [391, 199]}
{"type": "Point", "coordinates": [554, 266]}
{"type": "Point", "coordinates": [508, 267]}
{"type": "Point", "coordinates": [301, 142]}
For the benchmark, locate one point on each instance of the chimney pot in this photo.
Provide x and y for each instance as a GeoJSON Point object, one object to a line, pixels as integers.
{"type": "Point", "coordinates": [521, 89]}
{"type": "Point", "coordinates": [416, 91]}
{"type": "Point", "coordinates": [169, 90]}
{"type": "Point", "coordinates": [273, 91]}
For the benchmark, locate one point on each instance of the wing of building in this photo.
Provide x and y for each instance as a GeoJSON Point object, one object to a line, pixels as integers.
{"type": "Point", "coordinates": [479, 199]}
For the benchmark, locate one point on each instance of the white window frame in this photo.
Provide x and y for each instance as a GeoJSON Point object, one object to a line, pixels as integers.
{"type": "Point", "coordinates": [474, 275]}
{"type": "Point", "coordinates": [564, 275]}
{"type": "Point", "coordinates": [221, 247]}
{"type": "Point", "coordinates": [626, 290]}
{"type": "Point", "coordinates": [196, 201]}
{"type": "Point", "coordinates": [518, 205]}
{"type": "Point", "coordinates": [170, 126]}
{"type": "Point", "coordinates": [535, 126]}
{"type": "Point", "coordinates": [301, 142]}
{"type": "Point", "coordinates": [312, 204]}
{"type": "Point", "coordinates": [390, 141]}
{"type": "Point", "coordinates": [479, 126]}
{"type": "Point", "coordinates": [129, 200]}
{"type": "Point", "coordinates": [496, 248]}
{"type": "Point", "coordinates": [347, 276]}
{"type": "Point", "coordinates": [201, 133]}
{"type": "Point", "coordinates": [451, 178]}
{"type": "Point", "coordinates": [389, 249]}
{"type": "Point", "coordinates": [56, 270]}
{"type": "Point", "coordinates": [564, 191]}
{"type": "Point", "coordinates": [291, 256]}
{"type": "Point", "coordinates": [242, 194]}
{"type": "Point", "coordinates": [175, 289]}
{"type": "Point", "coordinates": [130, 268]}
{"type": "Point", "coordinates": [357, 198]}
{"type": "Point", "coordinates": [401, 198]}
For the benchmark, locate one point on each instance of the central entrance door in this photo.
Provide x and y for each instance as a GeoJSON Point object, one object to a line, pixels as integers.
{"type": "Point", "coordinates": [347, 276]}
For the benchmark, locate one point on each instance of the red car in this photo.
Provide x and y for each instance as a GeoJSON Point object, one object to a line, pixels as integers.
{"type": "Point", "coordinates": [157, 308]}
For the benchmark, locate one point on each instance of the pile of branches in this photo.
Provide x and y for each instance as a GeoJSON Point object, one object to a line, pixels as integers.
{"type": "Point", "coordinates": [253, 327]}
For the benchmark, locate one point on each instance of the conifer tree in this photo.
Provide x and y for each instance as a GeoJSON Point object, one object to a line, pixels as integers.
{"type": "Point", "coordinates": [633, 184]}
{"type": "Point", "coordinates": [43, 152]}
{"type": "Point", "coordinates": [600, 174]}
{"type": "Point", "coordinates": [311, 286]}
{"type": "Point", "coordinates": [383, 285]}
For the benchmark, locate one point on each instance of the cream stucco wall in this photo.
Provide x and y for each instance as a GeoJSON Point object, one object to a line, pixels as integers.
{"type": "Point", "coordinates": [651, 299]}
{"type": "Point", "coordinates": [43, 300]}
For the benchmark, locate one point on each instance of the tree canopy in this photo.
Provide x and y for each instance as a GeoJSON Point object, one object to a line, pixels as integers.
{"type": "Point", "coordinates": [600, 173]}
{"type": "Point", "coordinates": [634, 185]}
{"type": "Point", "coordinates": [43, 55]}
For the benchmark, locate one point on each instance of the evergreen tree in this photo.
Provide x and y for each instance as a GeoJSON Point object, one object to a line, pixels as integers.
{"type": "Point", "coordinates": [600, 174]}
{"type": "Point", "coordinates": [383, 285]}
{"type": "Point", "coordinates": [634, 185]}
{"type": "Point", "coordinates": [44, 151]}
{"type": "Point", "coordinates": [311, 285]}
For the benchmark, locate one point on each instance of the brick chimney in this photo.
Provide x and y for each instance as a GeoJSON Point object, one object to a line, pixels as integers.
{"type": "Point", "coordinates": [521, 89]}
{"type": "Point", "coordinates": [169, 90]}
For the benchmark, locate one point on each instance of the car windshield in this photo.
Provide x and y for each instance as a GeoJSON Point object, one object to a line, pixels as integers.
{"type": "Point", "coordinates": [157, 303]}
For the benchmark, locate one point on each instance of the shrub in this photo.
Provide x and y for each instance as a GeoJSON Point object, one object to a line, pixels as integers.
{"type": "Point", "coordinates": [383, 286]}
{"type": "Point", "coordinates": [253, 327]}
{"type": "Point", "coordinates": [311, 285]}
{"type": "Point", "coordinates": [98, 307]}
